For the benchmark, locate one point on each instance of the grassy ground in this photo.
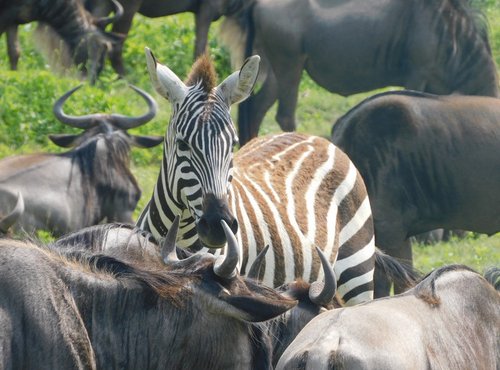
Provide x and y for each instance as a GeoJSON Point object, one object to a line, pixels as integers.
{"type": "Point", "coordinates": [26, 99]}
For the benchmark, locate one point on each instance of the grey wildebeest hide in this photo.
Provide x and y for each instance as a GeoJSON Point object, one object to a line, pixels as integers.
{"type": "Point", "coordinates": [347, 47]}
{"type": "Point", "coordinates": [84, 186]}
{"type": "Point", "coordinates": [428, 162]}
{"type": "Point", "coordinates": [132, 245]}
{"type": "Point", "coordinates": [205, 12]}
{"type": "Point", "coordinates": [97, 312]}
{"type": "Point", "coordinates": [82, 33]}
{"type": "Point", "coordinates": [451, 320]}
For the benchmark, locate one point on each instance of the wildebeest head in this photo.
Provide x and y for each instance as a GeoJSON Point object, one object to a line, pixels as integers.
{"type": "Point", "coordinates": [90, 51]}
{"type": "Point", "coordinates": [312, 300]}
{"type": "Point", "coordinates": [236, 297]}
{"type": "Point", "coordinates": [8, 220]}
{"type": "Point", "coordinates": [105, 139]}
{"type": "Point", "coordinates": [200, 139]}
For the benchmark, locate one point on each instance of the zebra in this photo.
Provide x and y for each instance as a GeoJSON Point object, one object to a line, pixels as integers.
{"type": "Point", "coordinates": [290, 191]}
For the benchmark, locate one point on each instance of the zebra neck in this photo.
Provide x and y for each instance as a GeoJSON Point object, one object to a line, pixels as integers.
{"type": "Point", "coordinates": [160, 213]}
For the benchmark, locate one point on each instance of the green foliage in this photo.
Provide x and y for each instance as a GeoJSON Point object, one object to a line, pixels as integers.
{"type": "Point", "coordinates": [476, 251]}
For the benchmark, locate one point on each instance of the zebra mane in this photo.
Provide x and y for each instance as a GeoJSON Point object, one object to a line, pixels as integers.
{"type": "Point", "coordinates": [203, 72]}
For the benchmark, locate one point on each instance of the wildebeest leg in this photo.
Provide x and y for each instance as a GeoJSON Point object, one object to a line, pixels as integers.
{"type": "Point", "coordinates": [122, 26]}
{"type": "Point", "coordinates": [13, 47]}
{"type": "Point", "coordinates": [288, 79]}
{"type": "Point", "coordinates": [252, 111]}
{"type": "Point", "coordinates": [203, 18]}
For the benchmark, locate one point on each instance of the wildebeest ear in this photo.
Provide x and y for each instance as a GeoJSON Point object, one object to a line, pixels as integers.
{"type": "Point", "coordinates": [146, 141]}
{"type": "Point", "coordinates": [239, 85]}
{"type": "Point", "coordinates": [165, 82]}
{"type": "Point", "coordinates": [64, 140]}
{"type": "Point", "coordinates": [257, 308]}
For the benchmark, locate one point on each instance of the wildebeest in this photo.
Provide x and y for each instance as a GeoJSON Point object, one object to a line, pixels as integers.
{"type": "Point", "coordinates": [205, 12]}
{"type": "Point", "coordinates": [451, 320]}
{"type": "Point", "coordinates": [82, 33]}
{"type": "Point", "coordinates": [348, 47]}
{"type": "Point", "coordinates": [133, 245]}
{"type": "Point", "coordinates": [99, 312]}
{"type": "Point", "coordinates": [10, 218]}
{"type": "Point", "coordinates": [83, 186]}
{"type": "Point", "coordinates": [428, 162]}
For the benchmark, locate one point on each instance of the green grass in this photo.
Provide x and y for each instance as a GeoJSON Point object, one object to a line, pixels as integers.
{"type": "Point", "coordinates": [26, 99]}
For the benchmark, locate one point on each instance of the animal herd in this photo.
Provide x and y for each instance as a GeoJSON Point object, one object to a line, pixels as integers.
{"type": "Point", "coordinates": [260, 252]}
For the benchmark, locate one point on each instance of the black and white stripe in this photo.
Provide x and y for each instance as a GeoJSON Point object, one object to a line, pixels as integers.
{"type": "Point", "coordinates": [290, 191]}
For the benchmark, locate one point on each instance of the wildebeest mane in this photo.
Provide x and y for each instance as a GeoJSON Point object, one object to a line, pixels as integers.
{"type": "Point", "coordinates": [462, 30]}
{"type": "Point", "coordinates": [426, 289]}
{"type": "Point", "coordinates": [203, 72]}
{"type": "Point", "coordinates": [166, 283]}
{"type": "Point", "coordinates": [95, 170]}
{"type": "Point", "coordinates": [163, 284]}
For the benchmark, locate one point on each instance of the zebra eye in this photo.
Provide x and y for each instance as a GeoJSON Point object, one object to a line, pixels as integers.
{"type": "Point", "coordinates": [182, 145]}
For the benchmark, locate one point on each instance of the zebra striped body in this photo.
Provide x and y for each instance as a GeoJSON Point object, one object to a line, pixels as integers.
{"type": "Point", "coordinates": [290, 191]}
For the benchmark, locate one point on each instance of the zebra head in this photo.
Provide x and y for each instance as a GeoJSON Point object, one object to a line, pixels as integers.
{"type": "Point", "coordinates": [200, 139]}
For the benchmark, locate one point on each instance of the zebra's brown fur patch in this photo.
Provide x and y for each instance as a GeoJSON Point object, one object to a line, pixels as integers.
{"type": "Point", "coordinates": [203, 70]}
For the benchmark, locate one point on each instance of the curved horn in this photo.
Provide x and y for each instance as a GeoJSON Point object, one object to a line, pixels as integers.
{"type": "Point", "coordinates": [254, 271]}
{"type": "Point", "coordinates": [168, 252]}
{"type": "Point", "coordinates": [225, 266]}
{"type": "Point", "coordinates": [83, 122]}
{"type": "Point", "coordinates": [104, 21]}
{"type": "Point", "coordinates": [125, 122]}
{"type": "Point", "coordinates": [14, 215]}
{"type": "Point", "coordinates": [322, 293]}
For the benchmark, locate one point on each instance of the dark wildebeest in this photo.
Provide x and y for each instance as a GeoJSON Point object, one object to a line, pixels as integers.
{"type": "Point", "coordinates": [428, 162]}
{"type": "Point", "coordinates": [81, 32]}
{"type": "Point", "coordinates": [10, 218]}
{"type": "Point", "coordinates": [84, 186]}
{"type": "Point", "coordinates": [98, 312]}
{"type": "Point", "coordinates": [349, 47]}
{"type": "Point", "coordinates": [451, 320]}
{"type": "Point", "coordinates": [205, 12]}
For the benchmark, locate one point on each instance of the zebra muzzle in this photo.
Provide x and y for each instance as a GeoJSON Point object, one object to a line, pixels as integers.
{"type": "Point", "coordinates": [209, 226]}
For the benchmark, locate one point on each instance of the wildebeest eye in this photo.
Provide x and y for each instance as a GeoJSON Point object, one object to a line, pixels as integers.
{"type": "Point", "coordinates": [182, 145]}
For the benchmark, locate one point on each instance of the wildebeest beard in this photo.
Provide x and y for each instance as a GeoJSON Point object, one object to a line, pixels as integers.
{"type": "Point", "coordinates": [96, 172]}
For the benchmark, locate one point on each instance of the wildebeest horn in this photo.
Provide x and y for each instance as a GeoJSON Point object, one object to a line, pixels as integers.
{"type": "Point", "coordinates": [82, 122]}
{"type": "Point", "coordinates": [125, 122]}
{"type": "Point", "coordinates": [168, 252]}
{"type": "Point", "coordinates": [104, 21]}
{"type": "Point", "coordinates": [225, 266]}
{"type": "Point", "coordinates": [322, 293]}
{"type": "Point", "coordinates": [254, 271]}
{"type": "Point", "coordinates": [13, 216]}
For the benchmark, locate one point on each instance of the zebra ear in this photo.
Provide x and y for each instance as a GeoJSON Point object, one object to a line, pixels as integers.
{"type": "Point", "coordinates": [239, 85]}
{"type": "Point", "coordinates": [165, 82]}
